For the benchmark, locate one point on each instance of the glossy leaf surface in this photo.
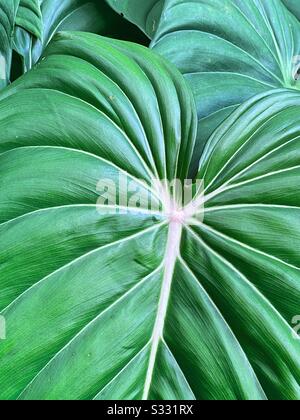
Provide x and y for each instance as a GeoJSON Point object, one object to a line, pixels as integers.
{"type": "Point", "coordinates": [132, 305]}
{"type": "Point", "coordinates": [228, 50]}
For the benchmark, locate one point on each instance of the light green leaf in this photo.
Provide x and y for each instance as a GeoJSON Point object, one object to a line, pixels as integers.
{"type": "Point", "coordinates": [137, 304]}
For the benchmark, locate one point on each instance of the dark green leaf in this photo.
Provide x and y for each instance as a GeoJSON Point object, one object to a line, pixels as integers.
{"type": "Point", "coordinates": [228, 50]}
{"type": "Point", "coordinates": [54, 16]}
{"type": "Point", "coordinates": [293, 6]}
{"type": "Point", "coordinates": [140, 305]}
{"type": "Point", "coordinates": [224, 66]}
{"type": "Point", "coordinates": [145, 14]}
{"type": "Point", "coordinates": [29, 17]}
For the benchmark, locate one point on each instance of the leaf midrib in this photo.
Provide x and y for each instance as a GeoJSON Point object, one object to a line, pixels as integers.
{"type": "Point", "coordinates": [171, 256]}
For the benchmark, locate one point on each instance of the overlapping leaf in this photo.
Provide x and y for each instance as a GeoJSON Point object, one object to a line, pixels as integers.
{"type": "Point", "coordinates": [27, 27]}
{"type": "Point", "coordinates": [8, 11]}
{"type": "Point", "coordinates": [38, 21]}
{"type": "Point", "coordinates": [293, 6]}
{"type": "Point", "coordinates": [145, 14]}
{"type": "Point", "coordinates": [88, 123]}
{"type": "Point", "coordinates": [140, 305]}
{"type": "Point", "coordinates": [229, 51]}
{"type": "Point", "coordinates": [29, 17]}
{"type": "Point", "coordinates": [226, 66]}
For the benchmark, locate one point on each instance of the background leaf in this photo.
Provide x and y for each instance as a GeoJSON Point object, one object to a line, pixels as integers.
{"type": "Point", "coordinates": [225, 67]}
{"type": "Point", "coordinates": [29, 17]}
{"type": "Point", "coordinates": [144, 14]}
{"type": "Point", "coordinates": [37, 24]}
{"type": "Point", "coordinates": [8, 10]}
{"type": "Point", "coordinates": [293, 6]}
{"type": "Point", "coordinates": [84, 15]}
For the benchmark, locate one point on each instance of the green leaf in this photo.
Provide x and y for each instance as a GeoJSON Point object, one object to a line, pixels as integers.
{"type": "Point", "coordinates": [145, 14]}
{"type": "Point", "coordinates": [293, 6]}
{"type": "Point", "coordinates": [55, 15]}
{"type": "Point", "coordinates": [229, 51]}
{"type": "Point", "coordinates": [29, 17]}
{"type": "Point", "coordinates": [251, 234]}
{"type": "Point", "coordinates": [8, 10]}
{"type": "Point", "coordinates": [136, 304]}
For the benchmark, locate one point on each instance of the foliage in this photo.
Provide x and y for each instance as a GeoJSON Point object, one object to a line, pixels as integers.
{"type": "Point", "coordinates": [113, 300]}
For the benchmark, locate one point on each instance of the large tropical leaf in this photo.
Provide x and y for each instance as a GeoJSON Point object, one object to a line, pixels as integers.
{"type": "Point", "coordinates": [131, 304]}
{"type": "Point", "coordinates": [38, 20]}
{"type": "Point", "coordinates": [228, 50]}
{"type": "Point", "coordinates": [87, 123]}
{"type": "Point", "coordinates": [8, 11]}
{"type": "Point", "coordinates": [224, 66]}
